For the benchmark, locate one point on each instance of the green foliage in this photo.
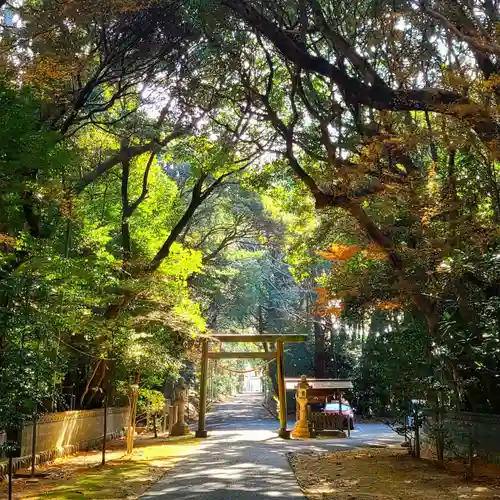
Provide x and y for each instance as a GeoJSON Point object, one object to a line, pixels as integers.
{"type": "Point", "coordinates": [59, 282]}
{"type": "Point", "coordinates": [162, 190]}
{"type": "Point", "coordinates": [392, 368]}
{"type": "Point", "coordinates": [31, 162]}
{"type": "Point", "coordinates": [150, 401]}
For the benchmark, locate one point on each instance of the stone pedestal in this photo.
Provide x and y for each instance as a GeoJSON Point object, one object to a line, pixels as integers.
{"type": "Point", "coordinates": [301, 428]}
{"type": "Point", "coordinates": [180, 428]}
{"type": "Point", "coordinates": [284, 434]}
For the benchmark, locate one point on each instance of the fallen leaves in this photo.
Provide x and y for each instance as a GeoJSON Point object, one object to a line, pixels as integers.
{"type": "Point", "coordinates": [380, 473]}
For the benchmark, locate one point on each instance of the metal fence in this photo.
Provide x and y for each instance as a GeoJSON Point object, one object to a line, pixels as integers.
{"type": "Point", "coordinates": [462, 435]}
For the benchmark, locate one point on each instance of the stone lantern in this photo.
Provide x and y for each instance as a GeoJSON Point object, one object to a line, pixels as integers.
{"type": "Point", "coordinates": [180, 428]}
{"type": "Point", "coordinates": [301, 429]}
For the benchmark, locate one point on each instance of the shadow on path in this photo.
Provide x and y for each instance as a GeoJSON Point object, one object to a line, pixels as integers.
{"type": "Point", "coordinates": [243, 458]}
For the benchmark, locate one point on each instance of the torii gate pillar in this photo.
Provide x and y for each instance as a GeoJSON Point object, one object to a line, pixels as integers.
{"type": "Point", "coordinates": [280, 369]}
{"type": "Point", "coordinates": [202, 409]}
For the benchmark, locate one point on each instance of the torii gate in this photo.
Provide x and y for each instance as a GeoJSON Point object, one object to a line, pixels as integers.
{"type": "Point", "coordinates": [278, 340]}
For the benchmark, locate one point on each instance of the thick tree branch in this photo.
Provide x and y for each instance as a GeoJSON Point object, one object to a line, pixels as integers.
{"type": "Point", "coordinates": [376, 96]}
{"type": "Point", "coordinates": [126, 153]}
{"type": "Point", "coordinates": [485, 47]}
{"type": "Point", "coordinates": [423, 302]}
{"type": "Point", "coordinates": [196, 201]}
{"type": "Point", "coordinates": [227, 241]}
{"type": "Point", "coordinates": [144, 192]}
{"type": "Point", "coordinates": [209, 190]}
{"type": "Point", "coordinates": [114, 159]}
{"type": "Point", "coordinates": [198, 196]}
{"type": "Point", "coordinates": [211, 232]}
{"type": "Point", "coordinates": [340, 43]}
{"type": "Point", "coordinates": [464, 29]}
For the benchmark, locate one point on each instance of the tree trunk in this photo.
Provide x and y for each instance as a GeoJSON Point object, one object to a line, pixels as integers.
{"type": "Point", "coordinates": [319, 350]}
{"type": "Point", "coordinates": [99, 383]}
{"type": "Point", "coordinates": [87, 387]}
{"type": "Point", "coordinates": [125, 229]}
{"type": "Point", "coordinates": [261, 327]}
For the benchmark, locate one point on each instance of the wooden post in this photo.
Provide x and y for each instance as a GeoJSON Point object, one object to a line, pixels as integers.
{"type": "Point", "coordinates": [33, 444]}
{"type": "Point", "coordinates": [10, 475]}
{"type": "Point", "coordinates": [105, 430]}
{"type": "Point", "coordinates": [164, 421]}
{"type": "Point", "coordinates": [154, 425]}
{"type": "Point", "coordinates": [341, 417]}
{"type": "Point", "coordinates": [416, 422]}
{"type": "Point", "coordinates": [210, 396]}
{"type": "Point", "coordinates": [280, 368]}
{"type": "Point", "coordinates": [201, 432]}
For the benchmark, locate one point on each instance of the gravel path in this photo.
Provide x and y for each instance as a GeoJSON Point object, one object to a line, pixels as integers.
{"type": "Point", "coordinates": [244, 459]}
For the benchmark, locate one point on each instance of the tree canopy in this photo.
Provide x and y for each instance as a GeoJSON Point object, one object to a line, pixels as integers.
{"type": "Point", "coordinates": [170, 169]}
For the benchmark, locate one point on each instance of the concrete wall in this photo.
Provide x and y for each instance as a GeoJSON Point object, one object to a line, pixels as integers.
{"type": "Point", "coordinates": [68, 430]}
{"type": "Point", "coordinates": [61, 434]}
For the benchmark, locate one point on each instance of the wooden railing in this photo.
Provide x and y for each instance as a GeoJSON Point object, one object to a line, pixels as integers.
{"type": "Point", "coordinates": [326, 421]}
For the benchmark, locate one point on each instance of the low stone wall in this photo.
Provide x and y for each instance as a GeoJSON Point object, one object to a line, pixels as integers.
{"type": "Point", "coordinates": [64, 433]}
{"type": "Point", "coordinates": [57, 431]}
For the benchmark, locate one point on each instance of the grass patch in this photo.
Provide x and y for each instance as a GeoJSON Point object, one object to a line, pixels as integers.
{"type": "Point", "coordinates": [122, 477]}
{"type": "Point", "coordinates": [118, 480]}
